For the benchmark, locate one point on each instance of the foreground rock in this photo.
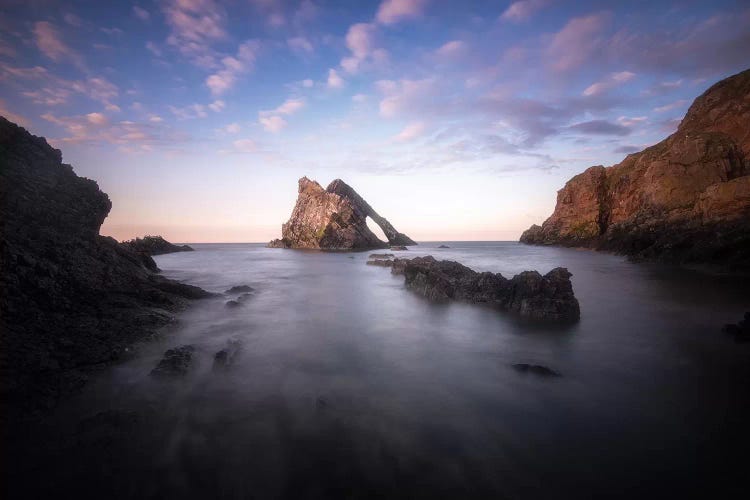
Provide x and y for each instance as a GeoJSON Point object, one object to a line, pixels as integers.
{"type": "Point", "coordinates": [226, 357]}
{"type": "Point", "coordinates": [741, 330]}
{"type": "Point", "coordinates": [71, 299]}
{"type": "Point", "coordinates": [684, 200]}
{"type": "Point", "coordinates": [175, 362]}
{"type": "Point", "coordinates": [155, 245]}
{"type": "Point", "coordinates": [334, 218]}
{"type": "Point", "coordinates": [529, 294]}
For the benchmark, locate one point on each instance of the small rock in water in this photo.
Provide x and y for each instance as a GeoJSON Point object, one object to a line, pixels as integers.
{"type": "Point", "coordinates": [381, 256]}
{"type": "Point", "coordinates": [231, 304]}
{"type": "Point", "coordinates": [536, 370]}
{"type": "Point", "coordinates": [443, 246]}
{"type": "Point", "coordinates": [244, 297]}
{"type": "Point", "coordinates": [225, 358]}
{"type": "Point", "coordinates": [175, 361]}
{"type": "Point", "coordinates": [399, 247]}
{"type": "Point", "coordinates": [239, 289]}
{"type": "Point", "coordinates": [741, 330]}
{"type": "Point", "coordinates": [380, 262]}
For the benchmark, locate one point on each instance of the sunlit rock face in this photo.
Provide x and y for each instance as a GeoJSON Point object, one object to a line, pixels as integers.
{"type": "Point", "coordinates": [685, 199]}
{"type": "Point", "coordinates": [334, 218]}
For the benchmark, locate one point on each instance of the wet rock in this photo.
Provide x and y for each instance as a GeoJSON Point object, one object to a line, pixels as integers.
{"type": "Point", "coordinates": [684, 200]}
{"type": "Point", "coordinates": [71, 300]}
{"type": "Point", "coordinates": [381, 256]}
{"type": "Point", "coordinates": [244, 296]}
{"type": "Point", "coordinates": [399, 248]}
{"type": "Point", "coordinates": [529, 294]}
{"type": "Point", "coordinates": [741, 330]}
{"type": "Point", "coordinates": [334, 218]}
{"type": "Point", "coordinates": [540, 370]}
{"type": "Point", "coordinates": [231, 304]}
{"type": "Point", "coordinates": [443, 246]}
{"type": "Point", "coordinates": [239, 289]}
{"type": "Point", "coordinates": [154, 245]}
{"type": "Point", "coordinates": [175, 362]}
{"type": "Point", "coordinates": [226, 357]}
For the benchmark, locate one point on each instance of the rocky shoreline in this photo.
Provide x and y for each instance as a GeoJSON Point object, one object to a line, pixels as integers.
{"type": "Point", "coordinates": [685, 200]}
{"type": "Point", "coordinates": [528, 294]}
{"type": "Point", "coordinates": [155, 245]}
{"type": "Point", "coordinates": [72, 300]}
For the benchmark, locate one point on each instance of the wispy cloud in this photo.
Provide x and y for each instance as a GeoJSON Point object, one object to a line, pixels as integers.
{"type": "Point", "coordinates": [233, 67]}
{"type": "Point", "coordinates": [393, 11]}
{"type": "Point", "coordinates": [611, 81]}
{"type": "Point", "coordinates": [522, 10]}
{"type": "Point", "coordinates": [49, 41]}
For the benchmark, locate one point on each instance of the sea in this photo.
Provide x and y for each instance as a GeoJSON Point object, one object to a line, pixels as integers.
{"type": "Point", "coordinates": [347, 385]}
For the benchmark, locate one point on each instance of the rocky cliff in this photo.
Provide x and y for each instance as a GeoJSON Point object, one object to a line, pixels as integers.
{"type": "Point", "coordinates": [684, 200]}
{"type": "Point", "coordinates": [155, 245]}
{"type": "Point", "coordinates": [334, 218]}
{"type": "Point", "coordinates": [71, 299]}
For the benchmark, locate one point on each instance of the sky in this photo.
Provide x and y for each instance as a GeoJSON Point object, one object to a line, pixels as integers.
{"type": "Point", "coordinates": [454, 120]}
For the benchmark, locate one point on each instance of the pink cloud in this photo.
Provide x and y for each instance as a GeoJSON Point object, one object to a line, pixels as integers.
{"type": "Point", "coordinates": [334, 80]}
{"type": "Point", "coordinates": [613, 80]}
{"type": "Point", "coordinates": [49, 42]}
{"type": "Point", "coordinates": [411, 132]}
{"type": "Point", "coordinates": [574, 45]}
{"type": "Point", "coordinates": [232, 67]}
{"type": "Point", "coordinates": [393, 11]}
{"type": "Point", "coordinates": [14, 117]}
{"type": "Point", "coordinates": [522, 10]}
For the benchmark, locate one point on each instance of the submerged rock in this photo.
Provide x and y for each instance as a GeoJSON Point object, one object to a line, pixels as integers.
{"type": "Point", "coordinates": [400, 247]}
{"type": "Point", "coordinates": [334, 218]}
{"type": "Point", "coordinates": [176, 361]}
{"type": "Point", "coordinates": [443, 246]}
{"type": "Point", "coordinates": [381, 256]}
{"type": "Point", "coordinates": [226, 357]}
{"type": "Point", "coordinates": [536, 370]}
{"type": "Point", "coordinates": [549, 297]}
{"type": "Point", "coordinates": [231, 304]}
{"type": "Point", "coordinates": [70, 299]}
{"type": "Point", "coordinates": [380, 262]}
{"type": "Point", "coordinates": [741, 330]}
{"type": "Point", "coordinates": [239, 289]}
{"type": "Point", "coordinates": [154, 245]}
{"type": "Point", "coordinates": [684, 200]}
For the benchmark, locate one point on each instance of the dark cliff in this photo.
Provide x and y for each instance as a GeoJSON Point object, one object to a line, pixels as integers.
{"type": "Point", "coordinates": [684, 200]}
{"type": "Point", "coordinates": [71, 299]}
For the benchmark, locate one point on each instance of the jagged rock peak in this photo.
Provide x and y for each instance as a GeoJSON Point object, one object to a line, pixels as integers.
{"type": "Point", "coordinates": [684, 200]}
{"type": "Point", "coordinates": [334, 218]}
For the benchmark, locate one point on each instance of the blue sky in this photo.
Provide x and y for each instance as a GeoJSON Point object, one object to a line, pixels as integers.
{"type": "Point", "coordinates": [455, 120]}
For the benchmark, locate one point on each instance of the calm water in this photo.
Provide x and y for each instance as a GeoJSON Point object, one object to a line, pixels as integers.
{"type": "Point", "coordinates": [349, 385]}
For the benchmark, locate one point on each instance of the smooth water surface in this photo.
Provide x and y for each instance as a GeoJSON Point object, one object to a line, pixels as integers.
{"type": "Point", "coordinates": [347, 384]}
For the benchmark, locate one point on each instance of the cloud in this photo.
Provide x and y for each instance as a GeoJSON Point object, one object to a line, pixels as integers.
{"type": "Point", "coordinates": [141, 13]}
{"type": "Point", "coordinates": [73, 20]}
{"type": "Point", "coordinates": [194, 26]}
{"type": "Point", "coordinates": [393, 11]}
{"type": "Point", "coordinates": [49, 42]}
{"type": "Point", "coordinates": [334, 80]}
{"type": "Point", "coordinates": [613, 80]}
{"type": "Point", "coordinates": [272, 123]}
{"type": "Point", "coordinates": [155, 119]}
{"type": "Point", "coordinates": [52, 90]}
{"type": "Point", "coordinates": [359, 97]}
{"type": "Point", "coordinates": [522, 10]}
{"type": "Point", "coordinates": [574, 45]}
{"type": "Point", "coordinates": [97, 118]}
{"type": "Point", "coordinates": [452, 49]}
{"type": "Point", "coordinates": [290, 106]}
{"type": "Point", "coordinates": [307, 83]}
{"type": "Point", "coordinates": [600, 127]}
{"type": "Point", "coordinates": [631, 121]}
{"type": "Point", "coordinates": [362, 42]}
{"type": "Point", "coordinates": [671, 106]}
{"type": "Point", "coordinates": [403, 95]}
{"type": "Point", "coordinates": [411, 132]}
{"type": "Point", "coordinates": [192, 111]}
{"type": "Point", "coordinates": [232, 128]}
{"type": "Point", "coordinates": [301, 45]}
{"type": "Point", "coordinates": [244, 62]}
{"type": "Point", "coordinates": [10, 115]}
{"type": "Point", "coordinates": [627, 149]}
{"type": "Point", "coordinates": [245, 146]}
{"type": "Point", "coordinates": [153, 48]}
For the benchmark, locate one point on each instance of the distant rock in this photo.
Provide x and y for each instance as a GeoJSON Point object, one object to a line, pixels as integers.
{"type": "Point", "coordinates": [684, 200]}
{"type": "Point", "coordinates": [529, 294]}
{"type": "Point", "coordinates": [239, 289]}
{"type": "Point", "coordinates": [535, 369]}
{"type": "Point", "coordinates": [399, 248]}
{"type": "Point", "coordinates": [741, 330]}
{"type": "Point", "coordinates": [334, 218]}
{"type": "Point", "coordinates": [71, 300]}
{"type": "Point", "coordinates": [443, 246]}
{"type": "Point", "coordinates": [154, 245]}
{"type": "Point", "coordinates": [175, 362]}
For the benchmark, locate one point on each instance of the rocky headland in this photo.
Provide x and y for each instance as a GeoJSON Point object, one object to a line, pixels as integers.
{"type": "Point", "coordinates": [334, 218]}
{"type": "Point", "coordinates": [155, 245]}
{"type": "Point", "coordinates": [528, 294]}
{"type": "Point", "coordinates": [684, 200]}
{"type": "Point", "coordinates": [72, 300]}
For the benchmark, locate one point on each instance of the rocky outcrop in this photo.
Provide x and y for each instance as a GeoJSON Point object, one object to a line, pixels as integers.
{"type": "Point", "coordinates": [71, 299]}
{"type": "Point", "coordinates": [686, 199]}
{"type": "Point", "coordinates": [334, 218]}
{"type": "Point", "coordinates": [175, 362]}
{"type": "Point", "coordinates": [529, 294]}
{"type": "Point", "coordinates": [154, 245]}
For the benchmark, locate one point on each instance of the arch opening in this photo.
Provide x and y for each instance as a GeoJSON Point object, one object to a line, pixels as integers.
{"type": "Point", "coordinates": [373, 226]}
